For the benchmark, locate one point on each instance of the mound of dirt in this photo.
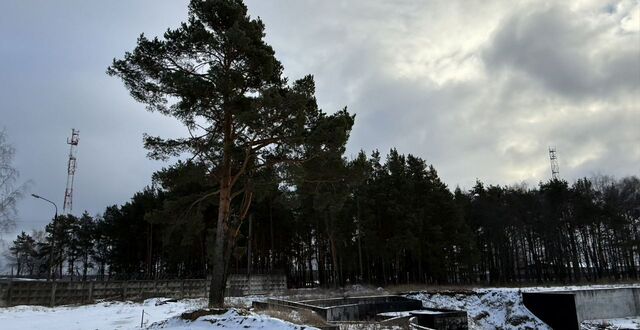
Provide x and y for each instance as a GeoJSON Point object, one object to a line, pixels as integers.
{"type": "Point", "coordinates": [194, 315]}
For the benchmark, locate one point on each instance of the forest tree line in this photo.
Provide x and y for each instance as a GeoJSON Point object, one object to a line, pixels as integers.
{"type": "Point", "coordinates": [373, 219]}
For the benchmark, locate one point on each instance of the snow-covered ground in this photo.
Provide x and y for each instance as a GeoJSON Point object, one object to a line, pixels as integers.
{"type": "Point", "coordinates": [128, 315]}
{"type": "Point", "coordinates": [104, 315]}
{"type": "Point", "coordinates": [502, 308]}
{"type": "Point", "coordinates": [232, 319]}
{"type": "Point", "coordinates": [488, 308]}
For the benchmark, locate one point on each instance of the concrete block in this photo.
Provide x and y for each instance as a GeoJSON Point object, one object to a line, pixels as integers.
{"type": "Point", "coordinates": [567, 309]}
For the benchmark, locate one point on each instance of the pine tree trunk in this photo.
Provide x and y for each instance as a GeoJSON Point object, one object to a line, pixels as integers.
{"type": "Point", "coordinates": [85, 266]}
{"type": "Point", "coordinates": [310, 261]}
{"type": "Point", "coordinates": [216, 289]}
{"type": "Point", "coordinates": [333, 250]}
{"type": "Point", "coordinates": [218, 269]}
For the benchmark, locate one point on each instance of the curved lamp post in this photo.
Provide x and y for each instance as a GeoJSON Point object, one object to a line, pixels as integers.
{"type": "Point", "coordinates": [53, 237]}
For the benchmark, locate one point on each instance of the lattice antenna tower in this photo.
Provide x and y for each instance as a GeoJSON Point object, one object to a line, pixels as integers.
{"type": "Point", "coordinates": [71, 169]}
{"type": "Point", "coordinates": [553, 157]}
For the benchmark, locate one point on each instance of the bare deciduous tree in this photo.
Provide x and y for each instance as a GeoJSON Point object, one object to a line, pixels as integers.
{"type": "Point", "coordinates": [10, 190]}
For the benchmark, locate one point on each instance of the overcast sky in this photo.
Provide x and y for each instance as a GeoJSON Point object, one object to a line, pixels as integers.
{"type": "Point", "coordinates": [480, 89]}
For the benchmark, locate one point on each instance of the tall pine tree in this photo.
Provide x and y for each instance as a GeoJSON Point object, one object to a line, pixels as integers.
{"type": "Point", "coordinates": [217, 76]}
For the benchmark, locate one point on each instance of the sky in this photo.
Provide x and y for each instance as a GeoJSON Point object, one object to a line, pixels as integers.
{"type": "Point", "coordinates": [479, 89]}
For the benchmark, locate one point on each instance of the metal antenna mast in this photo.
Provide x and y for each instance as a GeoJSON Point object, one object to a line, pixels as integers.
{"type": "Point", "coordinates": [71, 170]}
{"type": "Point", "coordinates": [555, 169]}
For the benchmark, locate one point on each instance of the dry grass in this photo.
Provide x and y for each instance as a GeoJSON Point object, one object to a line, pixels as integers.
{"type": "Point", "coordinates": [309, 318]}
{"type": "Point", "coordinates": [325, 293]}
{"type": "Point", "coordinates": [466, 289]}
{"type": "Point", "coordinates": [404, 288]}
{"type": "Point", "coordinates": [301, 317]}
{"type": "Point", "coordinates": [368, 326]}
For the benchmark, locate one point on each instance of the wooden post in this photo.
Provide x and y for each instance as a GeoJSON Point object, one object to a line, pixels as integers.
{"type": "Point", "coordinates": [91, 292]}
{"type": "Point", "coordinates": [249, 256]}
{"type": "Point", "coordinates": [53, 294]}
{"type": "Point", "coordinates": [9, 291]}
{"type": "Point", "coordinates": [182, 289]}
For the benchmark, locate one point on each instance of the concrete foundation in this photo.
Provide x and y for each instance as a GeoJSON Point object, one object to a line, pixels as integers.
{"type": "Point", "coordinates": [363, 308]}
{"type": "Point", "coordinates": [441, 319]}
{"type": "Point", "coordinates": [567, 309]}
{"type": "Point", "coordinates": [347, 309]}
{"type": "Point", "coordinates": [369, 309]}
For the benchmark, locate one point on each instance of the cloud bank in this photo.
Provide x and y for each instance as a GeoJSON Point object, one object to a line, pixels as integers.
{"type": "Point", "coordinates": [480, 89]}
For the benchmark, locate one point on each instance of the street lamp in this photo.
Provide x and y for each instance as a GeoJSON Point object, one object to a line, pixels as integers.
{"type": "Point", "coordinates": [53, 237]}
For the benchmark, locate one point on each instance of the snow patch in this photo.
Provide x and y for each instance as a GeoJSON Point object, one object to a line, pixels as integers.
{"type": "Point", "coordinates": [159, 313]}
{"type": "Point", "coordinates": [486, 308]}
{"type": "Point", "coordinates": [232, 319]}
{"type": "Point", "coordinates": [103, 315]}
{"type": "Point", "coordinates": [613, 324]}
{"type": "Point", "coordinates": [502, 308]}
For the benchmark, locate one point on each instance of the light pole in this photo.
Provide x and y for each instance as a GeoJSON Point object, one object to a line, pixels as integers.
{"type": "Point", "coordinates": [53, 237]}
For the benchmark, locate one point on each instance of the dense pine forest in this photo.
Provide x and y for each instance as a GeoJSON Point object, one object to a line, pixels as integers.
{"type": "Point", "coordinates": [373, 219]}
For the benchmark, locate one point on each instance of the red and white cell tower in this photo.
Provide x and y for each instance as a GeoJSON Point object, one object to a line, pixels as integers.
{"type": "Point", "coordinates": [71, 170]}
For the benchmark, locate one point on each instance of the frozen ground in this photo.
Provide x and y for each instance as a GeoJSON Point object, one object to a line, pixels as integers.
{"type": "Point", "coordinates": [488, 308]}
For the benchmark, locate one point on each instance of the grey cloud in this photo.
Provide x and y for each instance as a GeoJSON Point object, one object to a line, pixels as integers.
{"type": "Point", "coordinates": [567, 54]}
{"type": "Point", "coordinates": [495, 127]}
{"type": "Point", "coordinates": [542, 78]}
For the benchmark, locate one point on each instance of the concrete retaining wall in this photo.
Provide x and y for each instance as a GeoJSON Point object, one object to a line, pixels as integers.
{"type": "Point", "coordinates": [64, 293]}
{"type": "Point", "coordinates": [44, 293]}
{"type": "Point", "coordinates": [346, 311]}
{"type": "Point", "coordinates": [363, 308]}
{"type": "Point", "coordinates": [413, 324]}
{"type": "Point", "coordinates": [241, 285]}
{"type": "Point", "coordinates": [441, 319]}
{"type": "Point", "coordinates": [567, 309]}
{"type": "Point", "coordinates": [607, 303]}
{"type": "Point", "coordinates": [279, 304]}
